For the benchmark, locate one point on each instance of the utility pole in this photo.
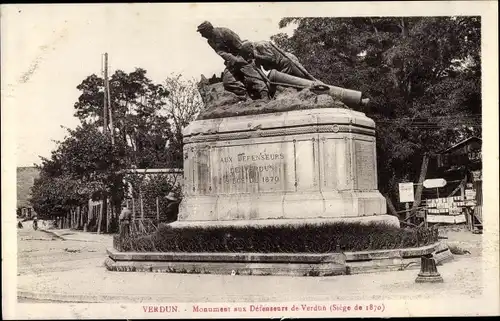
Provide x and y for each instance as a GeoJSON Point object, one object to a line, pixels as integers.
{"type": "Point", "coordinates": [109, 110]}
{"type": "Point", "coordinates": [105, 109]}
{"type": "Point", "coordinates": [108, 98]}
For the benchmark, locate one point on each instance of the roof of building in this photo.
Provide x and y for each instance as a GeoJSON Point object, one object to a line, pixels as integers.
{"type": "Point", "coordinates": [25, 178]}
{"type": "Point", "coordinates": [153, 171]}
{"type": "Point", "coordinates": [459, 144]}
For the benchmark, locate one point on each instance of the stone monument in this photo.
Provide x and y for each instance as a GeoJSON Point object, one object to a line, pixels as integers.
{"type": "Point", "coordinates": [302, 155]}
{"type": "Point", "coordinates": [301, 164]}
{"type": "Point", "coordinates": [273, 153]}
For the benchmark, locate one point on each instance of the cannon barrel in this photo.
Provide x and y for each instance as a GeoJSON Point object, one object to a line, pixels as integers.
{"type": "Point", "coordinates": [351, 98]}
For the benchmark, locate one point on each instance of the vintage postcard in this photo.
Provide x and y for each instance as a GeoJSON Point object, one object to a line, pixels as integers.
{"type": "Point", "coordinates": [243, 160]}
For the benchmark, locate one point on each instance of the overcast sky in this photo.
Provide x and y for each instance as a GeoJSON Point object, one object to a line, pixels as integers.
{"type": "Point", "coordinates": [47, 50]}
{"type": "Point", "coordinates": [56, 47]}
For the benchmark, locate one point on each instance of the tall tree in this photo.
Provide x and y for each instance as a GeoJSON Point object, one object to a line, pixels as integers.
{"type": "Point", "coordinates": [182, 106]}
{"type": "Point", "coordinates": [422, 75]}
{"type": "Point", "coordinates": [136, 104]}
{"type": "Point", "coordinates": [84, 165]}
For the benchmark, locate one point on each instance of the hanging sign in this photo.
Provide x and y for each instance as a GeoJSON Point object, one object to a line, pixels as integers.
{"type": "Point", "coordinates": [406, 192]}
{"type": "Point", "coordinates": [434, 183]}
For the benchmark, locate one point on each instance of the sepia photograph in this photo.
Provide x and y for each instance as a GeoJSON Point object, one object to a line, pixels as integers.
{"type": "Point", "coordinates": [220, 160]}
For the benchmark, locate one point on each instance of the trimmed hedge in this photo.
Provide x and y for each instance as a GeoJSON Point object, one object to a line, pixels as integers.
{"type": "Point", "coordinates": [279, 239]}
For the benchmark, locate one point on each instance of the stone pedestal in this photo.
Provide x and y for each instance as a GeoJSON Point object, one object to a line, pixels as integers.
{"type": "Point", "coordinates": [302, 164]}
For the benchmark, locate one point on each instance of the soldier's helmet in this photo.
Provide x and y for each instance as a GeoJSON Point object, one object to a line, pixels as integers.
{"type": "Point", "coordinates": [205, 26]}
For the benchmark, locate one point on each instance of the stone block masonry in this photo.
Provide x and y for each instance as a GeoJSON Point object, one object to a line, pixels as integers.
{"type": "Point", "coordinates": [301, 164]}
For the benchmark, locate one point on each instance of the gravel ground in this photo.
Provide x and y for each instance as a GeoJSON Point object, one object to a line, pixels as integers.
{"type": "Point", "coordinates": [40, 252]}
{"type": "Point", "coordinates": [73, 271]}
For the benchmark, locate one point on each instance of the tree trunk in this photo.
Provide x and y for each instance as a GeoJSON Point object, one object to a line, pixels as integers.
{"type": "Point", "coordinates": [404, 28]}
{"type": "Point", "coordinates": [78, 218]}
{"type": "Point", "coordinates": [99, 220]}
{"type": "Point", "coordinates": [157, 211]}
{"type": "Point", "coordinates": [108, 214]}
{"type": "Point", "coordinates": [104, 214]}
{"type": "Point", "coordinates": [391, 207]}
{"type": "Point", "coordinates": [85, 215]}
{"type": "Point", "coordinates": [420, 186]}
{"type": "Point", "coordinates": [142, 207]}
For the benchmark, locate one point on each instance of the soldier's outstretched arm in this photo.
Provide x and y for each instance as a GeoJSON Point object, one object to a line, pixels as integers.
{"type": "Point", "coordinates": [232, 60]}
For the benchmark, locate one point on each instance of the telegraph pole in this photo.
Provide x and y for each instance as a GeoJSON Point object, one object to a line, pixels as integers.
{"type": "Point", "coordinates": [107, 112]}
{"type": "Point", "coordinates": [108, 98]}
{"type": "Point", "coordinates": [109, 210]}
{"type": "Point", "coordinates": [105, 109]}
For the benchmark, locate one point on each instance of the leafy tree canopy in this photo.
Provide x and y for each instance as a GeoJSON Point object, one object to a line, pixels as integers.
{"type": "Point", "coordinates": [422, 75]}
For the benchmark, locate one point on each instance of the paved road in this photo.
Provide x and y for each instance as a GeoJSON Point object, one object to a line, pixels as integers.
{"type": "Point", "coordinates": [41, 252]}
{"type": "Point", "coordinates": [70, 268]}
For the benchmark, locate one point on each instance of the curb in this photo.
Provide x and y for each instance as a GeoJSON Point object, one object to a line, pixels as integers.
{"type": "Point", "coordinates": [62, 238]}
{"type": "Point", "coordinates": [229, 268]}
{"type": "Point", "coordinates": [128, 298]}
{"type": "Point", "coordinates": [80, 298]}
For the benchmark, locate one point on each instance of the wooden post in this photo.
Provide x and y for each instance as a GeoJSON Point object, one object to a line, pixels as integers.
{"type": "Point", "coordinates": [470, 212]}
{"type": "Point", "coordinates": [99, 221]}
{"type": "Point", "coordinates": [462, 189]}
{"type": "Point", "coordinates": [425, 218]}
{"type": "Point", "coordinates": [107, 215]}
{"type": "Point", "coordinates": [157, 210]}
{"type": "Point", "coordinates": [133, 207]}
{"type": "Point", "coordinates": [108, 99]}
{"type": "Point", "coordinates": [80, 216]}
{"type": "Point", "coordinates": [89, 212]}
{"type": "Point", "coordinates": [104, 214]}
{"type": "Point", "coordinates": [105, 109]}
{"type": "Point", "coordinates": [420, 186]}
{"type": "Point", "coordinates": [142, 207]}
{"type": "Point", "coordinates": [407, 213]}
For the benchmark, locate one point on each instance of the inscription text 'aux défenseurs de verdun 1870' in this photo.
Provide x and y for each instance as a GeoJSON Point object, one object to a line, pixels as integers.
{"type": "Point", "coordinates": [255, 168]}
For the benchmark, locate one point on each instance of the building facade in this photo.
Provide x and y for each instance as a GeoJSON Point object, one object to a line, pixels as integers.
{"type": "Point", "coordinates": [25, 179]}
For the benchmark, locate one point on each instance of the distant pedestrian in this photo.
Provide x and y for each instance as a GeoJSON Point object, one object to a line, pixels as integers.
{"type": "Point", "coordinates": [125, 217]}
{"type": "Point", "coordinates": [172, 209]}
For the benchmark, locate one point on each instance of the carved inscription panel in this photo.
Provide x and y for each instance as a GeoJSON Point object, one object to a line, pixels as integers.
{"type": "Point", "coordinates": [252, 168]}
{"type": "Point", "coordinates": [365, 165]}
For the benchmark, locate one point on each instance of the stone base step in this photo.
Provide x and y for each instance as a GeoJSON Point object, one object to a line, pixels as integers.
{"type": "Point", "coordinates": [232, 268]}
{"type": "Point", "coordinates": [291, 264]}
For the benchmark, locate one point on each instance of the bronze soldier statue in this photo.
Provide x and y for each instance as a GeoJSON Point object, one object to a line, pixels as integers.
{"type": "Point", "coordinates": [269, 56]}
{"type": "Point", "coordinates": [240, 77]}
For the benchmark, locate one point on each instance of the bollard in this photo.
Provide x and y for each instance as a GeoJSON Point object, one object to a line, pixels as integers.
{"type": "Point", "coordinates": [428, 271]}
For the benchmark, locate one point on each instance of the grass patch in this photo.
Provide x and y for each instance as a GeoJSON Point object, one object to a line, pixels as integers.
{"type": "Point", "coordinates": [323, 238]}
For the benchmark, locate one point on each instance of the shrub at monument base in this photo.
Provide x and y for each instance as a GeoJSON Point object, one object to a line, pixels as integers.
{"type": "Point", "coordinates": [279, 239]}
